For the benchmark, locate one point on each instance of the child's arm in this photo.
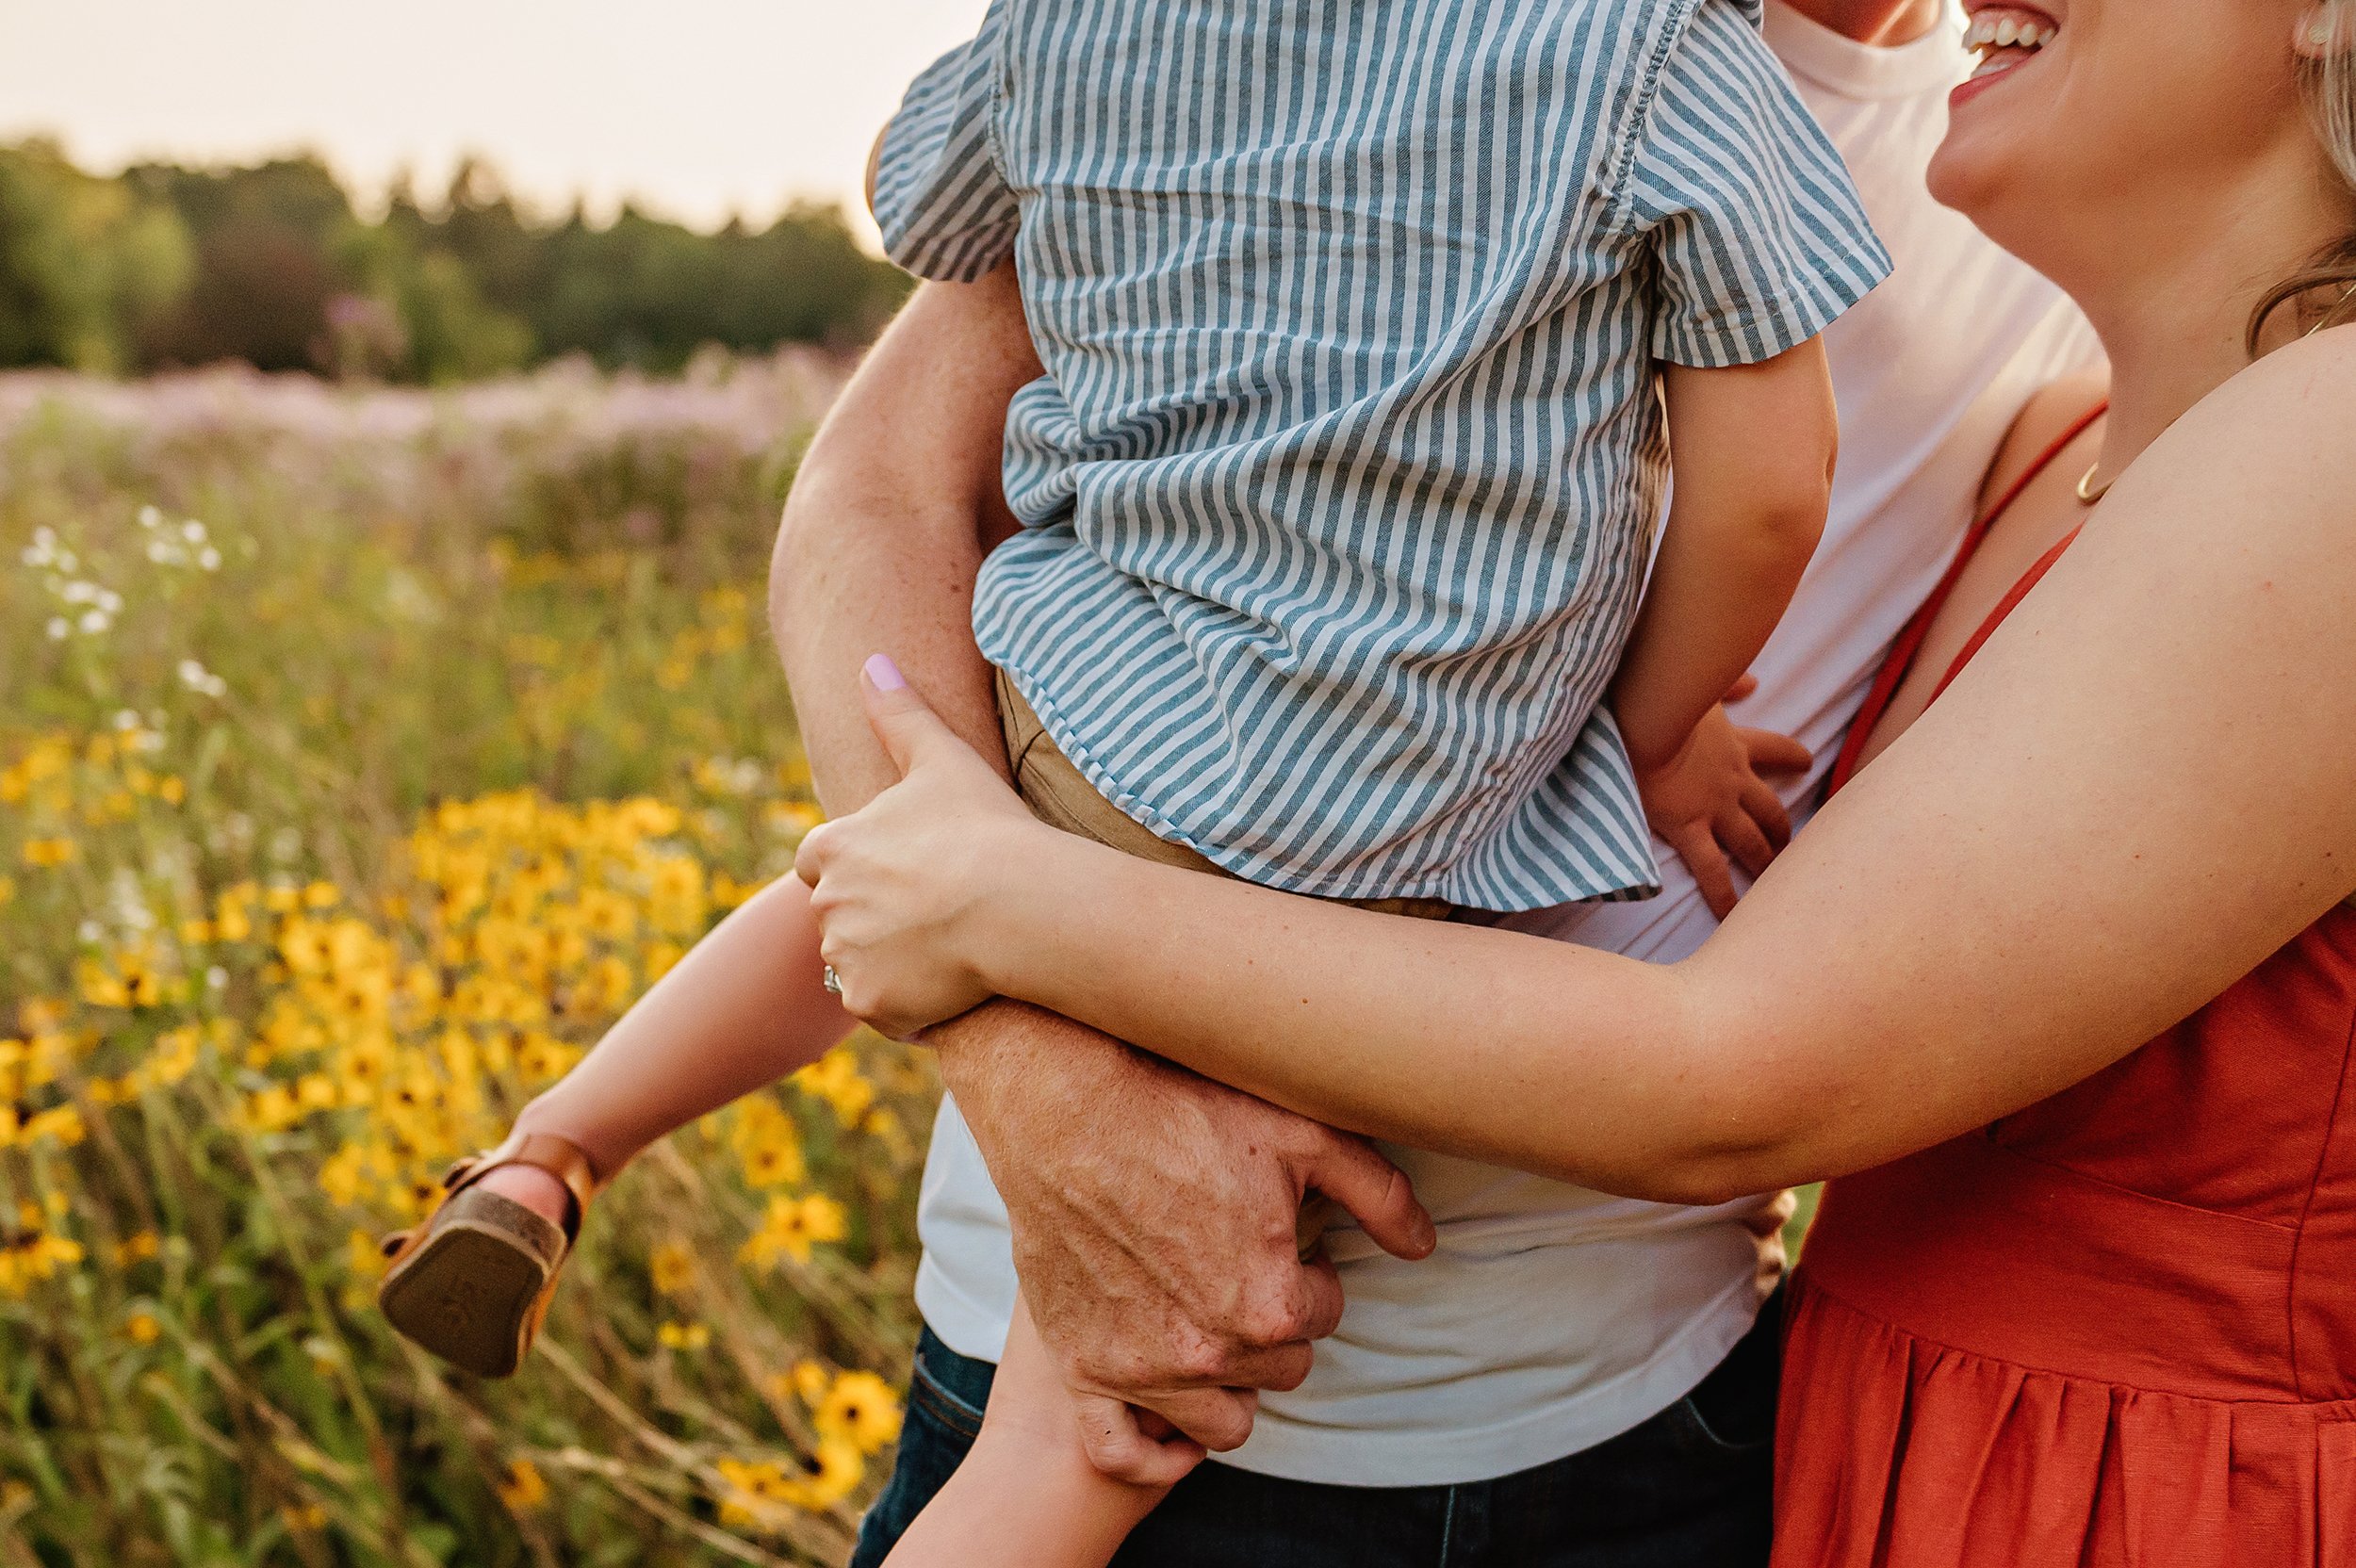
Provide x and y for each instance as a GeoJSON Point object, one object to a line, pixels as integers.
{"type": "Point", "coordinates": [744, 1007]}
{"type": "Point", "coordinates": [1752, 447]}
{"type": "Point", "coordinates": [1026, 1495]}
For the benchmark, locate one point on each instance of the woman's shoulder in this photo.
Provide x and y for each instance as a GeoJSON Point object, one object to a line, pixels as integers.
{"type": "Point", "coordinates": [2044, 419]}
{"type": "Point", "coordinates": [2281, 429]}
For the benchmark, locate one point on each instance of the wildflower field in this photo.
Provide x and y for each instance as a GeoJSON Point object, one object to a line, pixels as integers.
{"type": "Point", "coordinates": [363, 753]}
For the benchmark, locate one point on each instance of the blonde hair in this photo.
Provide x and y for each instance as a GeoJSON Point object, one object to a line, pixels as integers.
{"type": "Point", "coordinates": [2324, 291]}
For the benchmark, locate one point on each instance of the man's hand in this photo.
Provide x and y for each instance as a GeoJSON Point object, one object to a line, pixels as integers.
{"type": "Point", "coordinates": [1153, 1216]}
{"type": "Point", "coordinates": [1709, 802]}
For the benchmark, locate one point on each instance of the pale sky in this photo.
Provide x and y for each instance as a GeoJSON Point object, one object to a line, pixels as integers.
{"type": "Point", "coordinates": [700, 107]}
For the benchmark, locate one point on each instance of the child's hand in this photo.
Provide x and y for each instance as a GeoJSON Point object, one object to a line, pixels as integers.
{"type": "Point", "coordinates": [1710, 803]}
{"type": "Point", "coordinates": [896, 885]}
{"type": "Point", "coordinates": [1033, 1410]}
{"type": "Point", "coordinates": [1026, 1496]}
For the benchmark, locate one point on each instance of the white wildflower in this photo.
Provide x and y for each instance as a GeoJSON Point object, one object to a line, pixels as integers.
{"type": "Point", "coordinates": [196, 678]}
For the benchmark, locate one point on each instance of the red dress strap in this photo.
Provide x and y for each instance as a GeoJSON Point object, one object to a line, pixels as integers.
{"type": "Point", "coordinates": [1902, 653]}
{"type": "Point", "coordinates": [2005, 607]}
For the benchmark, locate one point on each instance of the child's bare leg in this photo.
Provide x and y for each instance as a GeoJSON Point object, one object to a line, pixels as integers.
{"type": "Point", "coordinates": [747, 1006]}
{"type": "Point", "coordinates": [1026, 1495]}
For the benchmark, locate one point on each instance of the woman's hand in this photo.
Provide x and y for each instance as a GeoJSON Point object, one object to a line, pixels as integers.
{"type": "Point", "coordinates": [896, 885]}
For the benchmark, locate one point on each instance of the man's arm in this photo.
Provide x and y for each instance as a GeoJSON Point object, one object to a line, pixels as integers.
{"type": "Point", "coordinates": [887, 525]}
{"type": "Point", "coordinates": [1153, 1211]}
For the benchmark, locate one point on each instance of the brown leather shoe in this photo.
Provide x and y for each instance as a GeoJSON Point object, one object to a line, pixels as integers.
{"type": "Point", "coordinates": [472, 1284]}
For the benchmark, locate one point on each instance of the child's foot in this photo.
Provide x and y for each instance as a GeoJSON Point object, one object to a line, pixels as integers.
{"type": "Point", "coordinates": [534, 1188]}
{"type": "Point", "coordinates": [472, 1284]}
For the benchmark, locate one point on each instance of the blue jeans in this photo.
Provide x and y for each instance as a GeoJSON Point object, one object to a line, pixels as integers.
{"type": "Point", "coordinates": [1691, 1488]}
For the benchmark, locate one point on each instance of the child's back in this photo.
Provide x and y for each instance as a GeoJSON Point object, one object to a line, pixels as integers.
{"type": "Point", "coordinates": [1344, 473]}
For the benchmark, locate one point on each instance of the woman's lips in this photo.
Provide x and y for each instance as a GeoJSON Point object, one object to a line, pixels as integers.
{"type": "Point", "coordinates": [2005, 38]}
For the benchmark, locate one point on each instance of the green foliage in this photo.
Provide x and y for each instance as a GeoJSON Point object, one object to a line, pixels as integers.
{"type": "Point", "coordinates": [273, 265]}
{"type": "Point", "coordinates": [85, 264]}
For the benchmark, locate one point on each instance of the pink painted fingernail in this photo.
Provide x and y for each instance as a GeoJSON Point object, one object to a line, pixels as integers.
{"type": "Point", "coordinates": [885, 674]}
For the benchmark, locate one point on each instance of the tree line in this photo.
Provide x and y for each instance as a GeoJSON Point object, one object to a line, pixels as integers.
{"type": "Point", "coordinates": [164, 266]}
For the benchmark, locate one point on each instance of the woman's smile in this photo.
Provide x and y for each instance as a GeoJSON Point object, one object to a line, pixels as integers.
{"type": "Point", "coordinates": [2005, 38]}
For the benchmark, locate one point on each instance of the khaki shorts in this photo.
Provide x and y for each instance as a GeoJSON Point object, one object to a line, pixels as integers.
{"type": "Point", "coordinates": [1059, 795]}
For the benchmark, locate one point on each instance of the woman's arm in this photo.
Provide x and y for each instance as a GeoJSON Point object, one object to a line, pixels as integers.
{"type": "Point", "coordinates": [2140, 789]}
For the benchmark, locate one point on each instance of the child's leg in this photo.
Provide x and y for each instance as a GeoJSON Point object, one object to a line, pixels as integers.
{"type": "Point", "coordinates": [1026, 1495]}
{"type": "Point", "coordinates": [747, 1006]}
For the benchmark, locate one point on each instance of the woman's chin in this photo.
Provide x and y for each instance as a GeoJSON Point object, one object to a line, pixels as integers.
{"type": "Point", "coordinates": [1961, 180]}
{"type": "Point", "coordinates": [1982, 167]}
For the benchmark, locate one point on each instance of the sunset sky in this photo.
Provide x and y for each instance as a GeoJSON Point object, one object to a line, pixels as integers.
{"type": "Point", "coordinates": [700, 107]}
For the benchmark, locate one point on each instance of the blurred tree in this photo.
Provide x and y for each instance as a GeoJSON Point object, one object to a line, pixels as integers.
{"type": "Point", "coordinates": [271, 265]}
{"type": "Point", "coordinates": [269, 247]}
{"type": "Point", "coordinates": [85, 264]}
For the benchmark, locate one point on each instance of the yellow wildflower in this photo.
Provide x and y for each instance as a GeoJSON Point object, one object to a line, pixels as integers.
{"type": "Point", "coordinates": [754, 1494]}
{"type": "Point", "coordinates": [683, 1336]}
{"type": "Point", "coordinates": [860, 1408]}
{"type": "Point", "coordinates": [45, 853]}
{"type": "Point", "coordinates": [672, 1268]}
{"type": "Point", "coordinates": [364, 1254]}
{"type": "Point", "coordinates": [791, 1227]}
{"type": "Point", "coordinates": [835, 1472]}
{"type": "Point", "coordinates": [62, 1123]}
{"type": "Point", "coordinates": [136, 1248]}
{"type": "Point", "coordinates": [524, 1489]}
{"type": "Point", "coordinates": [141, 1327]}
{"type": "Point", "coordinates": [835, 1078]}
{"type": "Point", "coordinates": [811, 1381]}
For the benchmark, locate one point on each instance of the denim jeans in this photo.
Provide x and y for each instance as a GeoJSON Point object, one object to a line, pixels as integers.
{"type": "Point", "coordinates": [1691, 1488]}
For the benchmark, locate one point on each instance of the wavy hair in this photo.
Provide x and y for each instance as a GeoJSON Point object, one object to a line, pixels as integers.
{"type": "Point", "coordinates": [2323, 292]}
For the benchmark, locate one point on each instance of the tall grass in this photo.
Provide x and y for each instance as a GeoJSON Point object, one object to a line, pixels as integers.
{"type": "Point", "coordinates": [362, 753]}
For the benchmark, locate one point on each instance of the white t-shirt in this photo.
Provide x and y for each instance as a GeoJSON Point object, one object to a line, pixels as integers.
{"type": "Point", "coordinates": [1552, 1318]}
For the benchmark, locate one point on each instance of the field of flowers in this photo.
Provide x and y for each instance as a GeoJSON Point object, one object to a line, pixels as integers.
{"type": "Point", "coordinates": [362, 754]}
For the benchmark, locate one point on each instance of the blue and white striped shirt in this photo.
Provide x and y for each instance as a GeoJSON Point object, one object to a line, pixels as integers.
{"type": "Point", "coordinates": [1340, 485]}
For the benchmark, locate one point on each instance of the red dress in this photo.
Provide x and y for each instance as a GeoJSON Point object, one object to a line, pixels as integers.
{"type": "Point", "coordinates": [2116, 1329]}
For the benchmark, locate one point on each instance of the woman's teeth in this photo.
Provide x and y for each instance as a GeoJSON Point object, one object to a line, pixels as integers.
{"type": "Point", "coordinates": [1989, 31]}
{"type": "Point", "coordinates": [2006, 41]}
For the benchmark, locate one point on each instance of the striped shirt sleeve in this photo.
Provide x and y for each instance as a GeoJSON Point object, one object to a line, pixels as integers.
{"type": "Point", "coordinates": [1757, 236]}
{"type": "Point", "coordinates": [942, 199]}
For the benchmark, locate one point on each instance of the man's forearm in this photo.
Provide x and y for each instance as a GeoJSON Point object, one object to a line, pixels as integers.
{"type": "Point", "coordinates": [887, 525]}
{"type": "Point", "coordinates": [883, 535]}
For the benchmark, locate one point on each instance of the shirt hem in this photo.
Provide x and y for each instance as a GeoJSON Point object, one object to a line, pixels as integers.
{"type": "Point", "coordinates": [1340, 1456]}
{"type": "Point", "coordinates": [1771, 327]}
{"type": "Point", "coordinates": [1631, 883]}
{"type": "Point", "coordinates": [1337, 1456]}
